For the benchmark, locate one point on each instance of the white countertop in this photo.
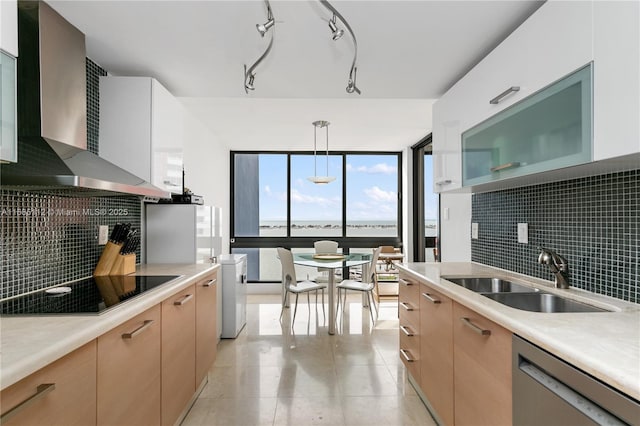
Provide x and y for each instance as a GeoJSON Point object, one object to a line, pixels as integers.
{"type": "Point", "coordinates": [603, 344]}
{"type": "Point", "coordinates": [29, 343]}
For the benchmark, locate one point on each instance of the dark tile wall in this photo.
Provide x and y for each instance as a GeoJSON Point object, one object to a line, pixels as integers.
{"type": "Point", "coordinates": [52, 237]}
{"type": "Point", "coordinates": [594, 222]}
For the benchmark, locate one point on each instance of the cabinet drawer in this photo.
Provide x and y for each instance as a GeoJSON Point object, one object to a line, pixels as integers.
{"type": "Point", "coordinates": [409, 301]}
{"type": "Point", "coordinates": [129, 372]}
{"type": "Point", "coordinates": [178, 354]}
{"type": "Point", "coordinates": [63, 393]}
{"type": "Point", "coordinates": [482, 375]}
{"type": "Point", "coordinates": [410, 350]}
{"type": "Point", "coordinates": [206, 329]}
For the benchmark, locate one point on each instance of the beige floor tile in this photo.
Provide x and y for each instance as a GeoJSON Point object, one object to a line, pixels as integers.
{"type": "Point", "coordinates": [240, 412]}
{"type": "Point", "coordinates": [385, 411]}
{"type": "Point", "coordinates": [366, 380]}
{"type": "Point", "coordinates": [311, 410]}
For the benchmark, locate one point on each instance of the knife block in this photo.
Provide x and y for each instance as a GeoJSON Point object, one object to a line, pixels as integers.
{"type": "Point", "coordinates": [107, 259]}
{"type": "Point", "coordinates": [124, 264]}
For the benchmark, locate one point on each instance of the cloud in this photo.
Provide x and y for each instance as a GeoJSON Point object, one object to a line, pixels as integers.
{"type": "Point", "coordinates": [380, 168]}
{"type": "Point", "coordinates": [267, 189]}
{"type": "Point", "coordinates": [298, 197]}
{"type": "Point", "coordinates": [380, 195]}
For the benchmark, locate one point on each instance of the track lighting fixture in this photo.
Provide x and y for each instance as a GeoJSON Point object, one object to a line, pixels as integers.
{"type": "Point", "coordinates": [336, 33]}
{"type": "Point", "coordinates": [351, 85]}
{"type": "Point", "coordinates": [263, 28]}
{"type": "Point", "coordinates": [315, 178]}
{"type": "Point", "coordinates": [249, 74]}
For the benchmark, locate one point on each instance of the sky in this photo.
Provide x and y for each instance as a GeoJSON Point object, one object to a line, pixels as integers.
{"type": "Point", "coordinates": [371, 188]}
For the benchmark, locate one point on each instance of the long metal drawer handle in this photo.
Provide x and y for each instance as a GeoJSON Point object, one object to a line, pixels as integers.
{"type": "Point", "coordinates": [405, 282]}
{"type": "Point", "coordinates": [146, 324]}
{"type": "Point", "coordinates": [431, 299]}
{"type": "Point", "coordinates": [406, 306]}
{"type": "Point", "coordinates": [41, 391]}
{"type": "Point", "coordinates": [210, 283]}
{"type": "Point", "coordinates": [498, 98]}
{"type": "Point", "coordinates": [406, 331]}
{"type": "Point", "coordinates": [184, 300]}
{"type": "Point", "coordinates": [505, 166]}
{"type": "Point", "coordinates": [472, 326]}
{"type": "Point", "coordinates": [443, 182]}
{"type": "Point", "coordinates": [406, 355]}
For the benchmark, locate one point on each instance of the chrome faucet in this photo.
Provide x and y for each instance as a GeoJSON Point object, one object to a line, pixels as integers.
{"type": "Point", "coordinates": [557, 264]}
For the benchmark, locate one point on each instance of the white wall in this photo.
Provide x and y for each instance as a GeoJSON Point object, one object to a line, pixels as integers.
{"type": "Point", "coordinates": [206, 166]}
{"type": "Point", "coordinates": [455, 227]}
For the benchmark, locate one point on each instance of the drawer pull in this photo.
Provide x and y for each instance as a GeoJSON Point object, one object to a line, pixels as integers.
{"type": "Point", "coordinates": [184, 300]}
{"type": "Point", "coordinates": [405, 282]}
{"type": "Point", "coordinates": [505, 166]}
{"type": "Point", "coordinates": [431, 299]}
{"type": "Point", "coordinates": [407, 306]}
{"type": "Point", "coordinates": [146, 324]}
{"type": "Point", "coordinates": [498, 98]}
{"type": "Point", "coordinates": [475, 328]}
{"type": "Point", "coordinates": [209, 283]}
{"type": "Point", "coordinates": [405, 354]}
{"type": "Point", "coordinates": [41, 391]}
{"type": "Point", "coordinates": [406, 330]}
{"type": "Point", "coordinates": [443, 182]}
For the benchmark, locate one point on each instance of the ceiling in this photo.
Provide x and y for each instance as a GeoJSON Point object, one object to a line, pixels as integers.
{"type": "Point", "coordinates": [407, 50]}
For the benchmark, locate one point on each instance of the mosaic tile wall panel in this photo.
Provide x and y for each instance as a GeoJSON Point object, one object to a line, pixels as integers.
{"type": "Point", "coordinates": [594, 222]}
{"type": "Point", "coordinates": [94, 71]}
{"type": "Point", "coordinates": [52, 238]}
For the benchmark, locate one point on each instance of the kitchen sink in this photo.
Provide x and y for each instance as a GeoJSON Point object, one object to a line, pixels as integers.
{"type": "Point", "coordinates": [490, 285]}
{"type": "Point", "coordinates": [541, 302]}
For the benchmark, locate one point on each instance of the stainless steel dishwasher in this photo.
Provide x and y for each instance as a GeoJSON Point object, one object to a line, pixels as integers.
{"type": "Point", "coordinates": [548, 391]}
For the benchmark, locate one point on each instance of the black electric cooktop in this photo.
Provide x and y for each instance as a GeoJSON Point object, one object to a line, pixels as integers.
{"type": "Point", "coordinates": [87, 296]}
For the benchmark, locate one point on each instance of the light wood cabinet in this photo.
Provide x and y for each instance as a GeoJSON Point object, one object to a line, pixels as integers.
{"type": "Point", "coordinates": [206, 327]}
{"type": "Point", "coordinates": [436, 352]}
{"type": "Point", "coordinates": [129, 372]}
{"type": "Point", "coordinates": [178, 354]}
{"type": "Point", "coordinates": [482, 373]}
{"type": "Point", "coordinates": [63, 393]}
{"type": "Point", "coordinates": [409, 316]}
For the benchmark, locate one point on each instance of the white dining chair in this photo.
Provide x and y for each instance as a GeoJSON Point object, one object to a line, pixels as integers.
{"type": "Point", "coordinates": [292, 285]}
{"type": "Point", "coordinates": [324, 247]}
{"type": "Point", "coordinates": [363, 286]}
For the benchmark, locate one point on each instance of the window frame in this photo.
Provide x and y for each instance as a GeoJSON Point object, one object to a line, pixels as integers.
{"type": "Point", "coordinates": [289, 241]}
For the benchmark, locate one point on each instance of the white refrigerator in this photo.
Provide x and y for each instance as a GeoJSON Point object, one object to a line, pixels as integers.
{"type": "Point", "coordinates": [184, 233]}
{"type": "Point", "coordinates": [234, 294]}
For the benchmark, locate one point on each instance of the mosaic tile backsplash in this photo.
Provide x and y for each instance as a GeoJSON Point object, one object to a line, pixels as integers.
{"type": "Point", "coordinates": [52, 238]}
{"type": "Point", "coordinates": [593, 222]}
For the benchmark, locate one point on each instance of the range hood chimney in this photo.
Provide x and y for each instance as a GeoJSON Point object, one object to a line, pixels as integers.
{"type": "Point", "coordinates": [52, 113]}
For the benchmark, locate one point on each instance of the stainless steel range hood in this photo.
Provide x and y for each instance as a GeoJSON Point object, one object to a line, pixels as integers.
{"type": "Point", "coordinates": [52, 113]}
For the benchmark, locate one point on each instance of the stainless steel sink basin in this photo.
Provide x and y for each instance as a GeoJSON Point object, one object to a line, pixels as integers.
{"type": "Point", "coordinates": [490, 285]}
{"type": "Point", "coordinates": [541, 302]}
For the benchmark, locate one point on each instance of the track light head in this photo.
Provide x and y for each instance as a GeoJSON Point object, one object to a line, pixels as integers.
{"type": "Point", "coordinates": [336, 33]}
{"type": "Point", "coordinates": [263, 28]}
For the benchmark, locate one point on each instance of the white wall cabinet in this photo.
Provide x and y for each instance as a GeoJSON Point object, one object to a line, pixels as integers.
{"type": "Point", "coordinates": [8, 55]}
{"type": "Point", "coordinates": [558, 39]}
{"type": "Point", "coordinates": [9, 27]}
{"type": "Point", "coordinates": [141, 129]}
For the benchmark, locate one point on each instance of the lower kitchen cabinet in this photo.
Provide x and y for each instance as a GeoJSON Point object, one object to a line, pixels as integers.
{"type": "Point", "coordinates": [409, 317]}
{"type": "Point", "coordinates": [178, 353]}
{"type": "Point", "coordinates": [482, 378]}
{"type": "Point", "coordinates": [129, 372]}
{"type": "Point", "coordinates": [206, 329]}
{"type": "Point", "coordinates": [436, 352]}
{"type": "Point", "coordinates": [62, 393]}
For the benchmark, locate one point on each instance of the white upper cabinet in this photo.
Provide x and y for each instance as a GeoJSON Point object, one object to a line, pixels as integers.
{"type": "Point", "coordinates": [560, 38]}
{"type": "Point", "coordinates": [9, 27]}
{"type": "Point", "coordinates": [616, 51]}
{"type": "Point", "coordinates": [141, 129]}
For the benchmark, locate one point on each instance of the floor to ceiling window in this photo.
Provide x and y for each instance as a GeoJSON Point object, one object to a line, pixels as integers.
{"type": "Point", "coordinates": [426, 204]}
{"type": "Point", "coordinates": [274, 204]}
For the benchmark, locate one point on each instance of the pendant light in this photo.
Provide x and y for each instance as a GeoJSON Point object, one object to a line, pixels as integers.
{"type": "Point", "coordinates": [315, 178]}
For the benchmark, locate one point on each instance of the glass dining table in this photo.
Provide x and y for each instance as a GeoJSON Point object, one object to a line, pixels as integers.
{"type": "Point", "coordinates": [331, 262]}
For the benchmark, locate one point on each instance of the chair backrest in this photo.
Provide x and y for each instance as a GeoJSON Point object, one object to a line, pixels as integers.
{"type": "Point", "coordinates": [325, 246]}
{"type": "Point", "coordinates": [372, 267]}
{"type": "Point", "coordinates": [288, 268]}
